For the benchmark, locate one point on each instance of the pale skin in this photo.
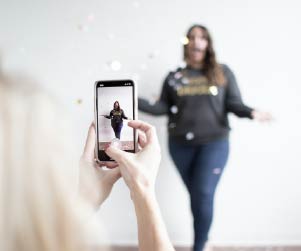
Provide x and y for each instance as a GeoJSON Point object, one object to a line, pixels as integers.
{"type": "Point", "coordinates": [95, 182]}
{"type": "Point", "coordinates": [197, 47]}
{"type": "Point", "coordinates": [139, 171]}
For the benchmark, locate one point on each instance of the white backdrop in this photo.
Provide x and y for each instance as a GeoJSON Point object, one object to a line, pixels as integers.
{"type": "Point", "coordinates": [68, 45]}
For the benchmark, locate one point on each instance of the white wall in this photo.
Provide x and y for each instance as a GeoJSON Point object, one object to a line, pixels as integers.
{"type": "Point", "coordinates": [67, 45]}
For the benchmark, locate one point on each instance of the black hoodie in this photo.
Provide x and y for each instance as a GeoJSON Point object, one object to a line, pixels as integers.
{"type": "Point", "coordinates": [197, 109]}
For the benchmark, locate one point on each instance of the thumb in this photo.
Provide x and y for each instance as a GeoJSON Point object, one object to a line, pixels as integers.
{"type": "Point", "coordinates": [116, 154]}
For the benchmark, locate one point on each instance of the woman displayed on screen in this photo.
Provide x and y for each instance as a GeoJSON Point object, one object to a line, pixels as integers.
{"type": "Point", "coordinates": [116, 115]}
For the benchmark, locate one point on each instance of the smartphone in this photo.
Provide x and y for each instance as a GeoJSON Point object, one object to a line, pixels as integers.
{"type": "Point", "coordinates": [115, 104]}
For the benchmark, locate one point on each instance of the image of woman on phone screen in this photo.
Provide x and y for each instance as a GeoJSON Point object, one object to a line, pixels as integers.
{"type": "Point", "coordinates": [116, 115]}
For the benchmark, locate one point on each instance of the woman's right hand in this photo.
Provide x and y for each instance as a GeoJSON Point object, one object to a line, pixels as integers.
{"type": "Point", "coordinates": [139, 170]}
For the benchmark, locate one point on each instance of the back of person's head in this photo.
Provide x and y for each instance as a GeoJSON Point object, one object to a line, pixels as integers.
{"type": "Point", "coordinates": [37, 208]}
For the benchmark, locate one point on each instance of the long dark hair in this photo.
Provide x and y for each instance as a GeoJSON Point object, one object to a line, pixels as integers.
{"type": "Point", "coordinates": [118, 109]}
{"type": "Point", "coordinates": [211, 67]}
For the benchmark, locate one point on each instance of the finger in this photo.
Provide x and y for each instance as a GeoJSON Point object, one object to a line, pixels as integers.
{"type": "Point", "coordinates": [142, 139]}
{"type": "Point", "coordinates": [118, 155]}
{"type": "Point", "coordinates": [270, 117]}
{"type": "Point", "coordinates": [108, 164]}
{"type": "Point", "coordinates": [90, 143]}
{"type": "Point", "coordinates": [148, 129]}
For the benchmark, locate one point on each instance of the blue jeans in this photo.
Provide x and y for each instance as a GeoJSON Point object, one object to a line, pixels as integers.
{"type": "Point", "coordinates": [200, 167]}
{"type": "Point", "coordinates": [117, 129]}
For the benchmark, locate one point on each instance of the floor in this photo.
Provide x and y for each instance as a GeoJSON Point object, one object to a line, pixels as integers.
{"type": "Point", "coordinates": [217, 248]}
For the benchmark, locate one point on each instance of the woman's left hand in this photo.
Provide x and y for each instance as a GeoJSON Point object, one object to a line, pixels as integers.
{"type": "Point", "coordinates": [261, 116]}
{"type": "Point", "coordinates": [95, 182]}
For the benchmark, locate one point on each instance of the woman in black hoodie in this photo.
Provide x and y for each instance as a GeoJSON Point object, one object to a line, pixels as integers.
{"type": "Point", "coordinates": [116, 115]}
{"type": "Point", "coordinates": [197, 100]}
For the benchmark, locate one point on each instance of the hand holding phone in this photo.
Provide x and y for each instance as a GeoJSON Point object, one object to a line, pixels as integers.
{"type": "Point", "coordinates": [95, 183]}
{"type": "Point", "coordinates": [139, 171]}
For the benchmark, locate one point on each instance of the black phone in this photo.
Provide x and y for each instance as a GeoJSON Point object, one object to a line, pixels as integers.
{"type": "Point", "coordinates": [115, 104]}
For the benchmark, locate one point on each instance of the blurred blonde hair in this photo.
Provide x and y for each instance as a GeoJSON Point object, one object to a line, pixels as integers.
{"type": "Point", "coordinates": [37, 189]}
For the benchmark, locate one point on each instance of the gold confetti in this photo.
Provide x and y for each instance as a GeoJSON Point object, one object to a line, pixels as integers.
{"type": "Point", "coordinates": [79, 101]}
{"type": "Point", "coordinates": [184, 40]}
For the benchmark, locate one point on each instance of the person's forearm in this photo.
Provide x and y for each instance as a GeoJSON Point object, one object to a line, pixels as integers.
{"type": "Point", "coordinates": [239, 109]}
{"type": "Point", "coordinates": [152, 233]}
{"type": "Point", "coordinates": [158, 108]}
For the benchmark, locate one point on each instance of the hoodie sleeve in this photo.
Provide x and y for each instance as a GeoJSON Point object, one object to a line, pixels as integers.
{"type": "Point", "coordinates": [233, 100]}
{"type": "Point", "coordinates": [109, 116]}
{"type": "Point", "coordinates": [123, 115]}
{"type": "Point", "coordinates": [161, 106]}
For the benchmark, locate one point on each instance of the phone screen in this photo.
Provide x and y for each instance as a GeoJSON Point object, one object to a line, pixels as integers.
{"type": "Point", "coordinates": [115, 105]}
